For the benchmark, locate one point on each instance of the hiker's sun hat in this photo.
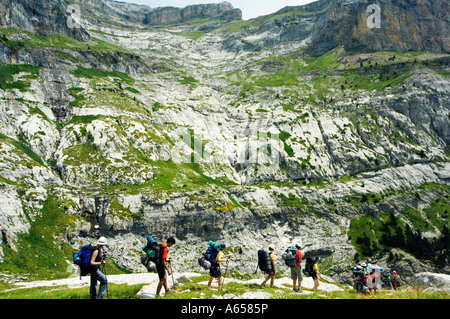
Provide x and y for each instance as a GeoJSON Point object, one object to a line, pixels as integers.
{"type": "Point", "coordinates": [102, 241]}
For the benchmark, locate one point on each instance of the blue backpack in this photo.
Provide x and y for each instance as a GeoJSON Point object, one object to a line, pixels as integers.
{"type": "Point", "coordinates": [211, 255]}
{"type": "Point", "coordinates": [208, 258]}
{"type": "Point", "coordinates": [82, 258]}
{"type": "Point", "coordinates": [151, 241]}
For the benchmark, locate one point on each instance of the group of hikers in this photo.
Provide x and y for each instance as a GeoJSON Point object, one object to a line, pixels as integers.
{"type": "Point", "coordinates": [292, 258]}
{"type": "Point", "coordinates": [369, 278]}
{"type": "Point", "coordinates": [92, 261]}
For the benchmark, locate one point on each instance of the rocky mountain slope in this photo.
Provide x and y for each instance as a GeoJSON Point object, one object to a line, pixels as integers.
{"type": "Point", "coordinates": [301, 126]}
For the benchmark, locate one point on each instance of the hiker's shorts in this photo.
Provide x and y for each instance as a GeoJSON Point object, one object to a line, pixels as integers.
{"type": "Point", "coordinates": [269, 272]}
{"type": "Point", "coordinates": [296, 273]}
{"type": "Point", "coordinates": [215, 272]}
{"type": "Point", "coordinates": [161, 271]}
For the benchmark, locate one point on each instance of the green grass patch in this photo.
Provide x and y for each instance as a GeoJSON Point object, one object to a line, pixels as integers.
{"type": "Point", "coordinates": [115, 291]}
{"type": "Point", "coordinates": [372, 81]}
{"type": "Point", "coordinates": [57, 41]}
{"type": "Point", "coordinates": [92, 73]}
{"type": "Point", "coordinates": [7, 72]}
{"type": "Point", "coordinates": [84, 119]}
{"type": "Point", "coordinates": [40, 253]}
{"type": "Point", "coordinates": [375, 235]}
{"type": "Point", "coordinates": [81, 154]}
{"type": "Point", "coordinates": [323, 63]}
{"type": "Point", "coordinates": [194, 289]}
{"type": "Point", "coordinates": [23, 147]}
{"type": "Point", "coordinates": [292, 201]}
{"type": "Point", "coordinates": [277, 80]}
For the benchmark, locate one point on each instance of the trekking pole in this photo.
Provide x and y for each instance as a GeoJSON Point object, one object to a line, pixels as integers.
{"type": "Point", "coordinates": [103, 270]}
{"type": "Point", "coordinates": [226, 270]}
{"type": "Point", "coordinates": [173, 281]}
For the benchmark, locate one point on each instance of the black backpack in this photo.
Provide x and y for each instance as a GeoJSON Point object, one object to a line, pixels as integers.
{"type": "Point", "coordinates": [309, 263]}
{"type": "Point", "coordinates": [153, 250]}
{"type": "Point", "coordinates": [264, 261]}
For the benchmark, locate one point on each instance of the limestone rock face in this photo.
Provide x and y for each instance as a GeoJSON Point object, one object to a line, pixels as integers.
{"type": "Point", "coordinates": [433, 281]}
{"type": "Point", "coordinates": [171, 15]}
{"type": "Point", "coordinates": [41, 17]}
{"type": "Point", "coordinates": [403, 25]}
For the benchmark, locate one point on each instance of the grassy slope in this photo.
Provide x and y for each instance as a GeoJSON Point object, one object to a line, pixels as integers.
{"type": "Point", "coordinates": [195, 290]}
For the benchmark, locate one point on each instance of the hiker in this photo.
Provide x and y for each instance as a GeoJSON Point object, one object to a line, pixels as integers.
{"type": "Point", "coordinates": [360, 279]}
{"type": "Point", "coordinates": [373, 280]}
{"type": "Point", "coordinates": [97, 259]}
{"type": "Point", "coordinates": [316, 274]}
{"type": "Point", "coordinates": [161, 266]}
{"type": "Point", "coordinates": [214, 271]}
{"type": "Point", "coordinates": [365, 267]}
{"type": "Point", "coordinates": [387, 279]}
{"type": "Point", "coordinates": [270, 273]}
{"type": "Point", "coordinates": [396, 280]}
{"type": "Point", "coordinates": [296, 271]}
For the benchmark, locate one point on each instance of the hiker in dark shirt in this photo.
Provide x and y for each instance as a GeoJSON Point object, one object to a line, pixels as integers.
{"type": "Point", "coordinates": [97, 260]}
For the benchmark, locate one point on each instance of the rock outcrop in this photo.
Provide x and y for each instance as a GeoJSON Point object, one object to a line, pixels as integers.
{"type": "Point", "coordinates": [403, 26]}
{"type": "Point", "coordinates": [432, 281]}
{"type": "Point", "coordinates": [171, 15]}
{"type": "Point", "coordinates": [45, 17]}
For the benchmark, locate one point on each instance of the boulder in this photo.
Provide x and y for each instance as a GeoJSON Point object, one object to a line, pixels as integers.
{"type": "Point", "coordinates": [432, 280]}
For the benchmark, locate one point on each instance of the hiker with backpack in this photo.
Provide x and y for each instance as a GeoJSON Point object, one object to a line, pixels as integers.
{"type": "Point", "coordinates": [396, 280]}
{"type": "Point", "coordinates": [316, 274]}
{"type": "Point", "coordinates": [215, 271]}
{"type": "Point", "coordinates": [292, 258]}
{"type": "Point", "coordinates": [97, 259]}
{"type": "Point", "coordinates": [161, 265]}
{"type": "Point", "coordinates": [268, 266]}
{"type": "Point", "coordinates": [296, 271]}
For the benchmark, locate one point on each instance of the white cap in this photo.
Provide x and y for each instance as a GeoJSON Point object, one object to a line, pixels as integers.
{"type": "Point", "coordinates": [272, 247]}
